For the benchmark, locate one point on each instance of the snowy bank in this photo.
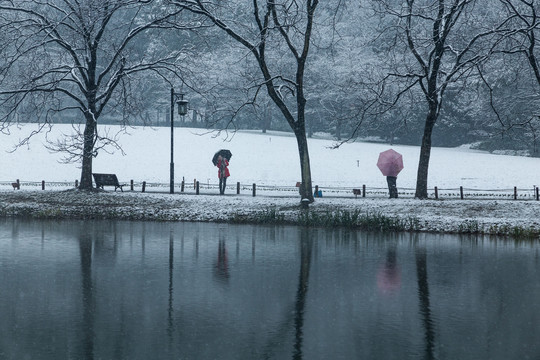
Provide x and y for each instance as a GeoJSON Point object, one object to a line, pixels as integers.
{"type": "Point", "coordinates": [445, 216]}
{"type": "Point", "coordinates": [271, 161]}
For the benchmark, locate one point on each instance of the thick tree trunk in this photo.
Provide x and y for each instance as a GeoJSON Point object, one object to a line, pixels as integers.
{"type": "Point", "coordinates": [88, 154]}
{"type": "Point", "coordinates": [425, 153]}
{"type": "Point", "coordinates": [306, 189]}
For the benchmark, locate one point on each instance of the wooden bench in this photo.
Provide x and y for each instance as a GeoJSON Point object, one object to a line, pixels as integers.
{"type": "Point", "coordinates": [361, 191]}
{"type": "Point", "coordinates": [107, 180]}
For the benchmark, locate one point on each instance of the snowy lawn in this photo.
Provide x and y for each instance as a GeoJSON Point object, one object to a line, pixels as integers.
{"type": "Point", "coordinates": [271, 161]}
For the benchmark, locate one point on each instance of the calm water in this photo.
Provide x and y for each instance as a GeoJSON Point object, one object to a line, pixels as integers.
{"type": "Point", "coordinates": [129, 290]}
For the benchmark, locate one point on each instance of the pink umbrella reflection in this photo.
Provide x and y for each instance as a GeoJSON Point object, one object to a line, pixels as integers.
{"type": "Point", "coordinates": [389, 275]}
{"type": "Point", "coordinates": [390, 162]}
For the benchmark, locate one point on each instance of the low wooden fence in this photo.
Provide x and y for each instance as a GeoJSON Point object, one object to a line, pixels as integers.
{"type": "Point", "coordinates": [363, 191]}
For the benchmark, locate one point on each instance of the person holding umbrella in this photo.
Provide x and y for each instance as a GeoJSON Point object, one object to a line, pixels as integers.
{"type": "Point", "coordinates": [221, 160]}
{"type": "Point", "coordinates": [390, 163]}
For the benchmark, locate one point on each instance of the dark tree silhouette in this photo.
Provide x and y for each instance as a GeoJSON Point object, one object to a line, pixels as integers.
{"type": "Point", "coordinates": [276, 26]}
{"type": "Point", "coordinates": [78, 55]}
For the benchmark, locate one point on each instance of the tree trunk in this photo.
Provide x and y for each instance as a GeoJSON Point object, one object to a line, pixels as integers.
{"type": "Point", "coordinates": [306, 189]}
{"type": "Point", "coordinates": [267, 117]}
{"type": "Point", "coordinates": [425, 153]}
{"type": "Point", "coordinates": [88, 154]}
{"type": "Point", "coordinates": [338, 129]}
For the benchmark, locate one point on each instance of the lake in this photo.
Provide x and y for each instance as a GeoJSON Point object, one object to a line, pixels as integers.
{"type": "Point", "coordinates": [147, 290]}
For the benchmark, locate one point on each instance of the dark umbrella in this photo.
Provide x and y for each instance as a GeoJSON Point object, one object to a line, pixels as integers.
{"type": "Point", "coordinates": [224, 153]}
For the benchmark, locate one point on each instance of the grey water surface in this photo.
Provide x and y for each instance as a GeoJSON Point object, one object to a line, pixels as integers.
{"type": "Point", "coordinates": [149, 290]}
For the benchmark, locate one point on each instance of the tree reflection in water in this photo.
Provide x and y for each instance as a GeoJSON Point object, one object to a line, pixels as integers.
{"type": "Point", "coordinates": [423, 294]}
{"type": "Point", "coordinates": [88, 296]}
{"type": "Point", "coordinates": [306, 247]}
{"type": "Point", "coordinates": [99, 289]}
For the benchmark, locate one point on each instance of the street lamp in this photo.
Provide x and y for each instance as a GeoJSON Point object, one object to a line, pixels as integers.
{"type": "Point", "coordinates": [182, 110]}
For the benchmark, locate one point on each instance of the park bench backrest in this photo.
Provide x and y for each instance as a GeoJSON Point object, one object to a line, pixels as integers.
{"type": "Point", "coordinates": [106, 179]}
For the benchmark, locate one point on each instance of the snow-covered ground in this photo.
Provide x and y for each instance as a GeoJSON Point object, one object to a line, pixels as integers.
{"type": "Point", "coordinates": [271, 161]}
{"type": "Point", "coordinates": [264, 159]}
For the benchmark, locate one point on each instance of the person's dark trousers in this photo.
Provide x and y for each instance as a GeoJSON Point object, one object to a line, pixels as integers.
{"type": "Point", "coordinates": [392, 187]}
{"type": "Point", "coordinates": [222, 184]}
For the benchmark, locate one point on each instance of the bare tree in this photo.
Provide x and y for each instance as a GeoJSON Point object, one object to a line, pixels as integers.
{"type": "Point", "coordinates": [444, 42]}
{"type": "Point", "coordinates": [522, 19]}
{"type": "Point", "coordinates": [516, 103]}
{"type": "Point", "coordinates": [80, 55]}
{"type": "Point", "coordinates": [278, 36]}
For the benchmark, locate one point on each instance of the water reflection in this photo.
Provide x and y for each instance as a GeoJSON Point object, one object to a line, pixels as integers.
{"type": "Point", "coordinates": [170, 323]}
{"type": "Point", "coordinates": [127, 290]}
{"type": "Point", "coordinates": [222, 266]}
{"type": "Point", "coordinates": [423, 295]}
{"type": "Point", "coordinates": [389, 275]}
{"type": "Point", "coordinates": [306, 246]}
{"type": "Point", "coordinates": [87, 287]}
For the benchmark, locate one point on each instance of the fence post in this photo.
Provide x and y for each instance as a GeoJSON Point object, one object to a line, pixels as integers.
{"type": "Point", "coordinates": [515, 192]}
{"type": "Point", "coordinates": [194, 184]}
{"type": "Point", "coordinates": [537, 197]}
{"type": "Point", "coordinates": [363, 190]}
{"type": "Point", "coordinates": [461, 192]}
{"type": "Point", "coordinates": [143, 186]}
{"type": "Point", "coordinates": [238, 187]}
{"type": "Point", "coordinates": [254, 189]}
{"type": "Point", "coordinates": [131, 184]}
{"type": "Point", "coordinates": [197, 188]}
{"type": "Point", "coordinates": [436, 193]}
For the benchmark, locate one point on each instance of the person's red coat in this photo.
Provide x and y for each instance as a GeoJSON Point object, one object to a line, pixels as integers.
{"type": "Point", "coordinates": [225, 169]}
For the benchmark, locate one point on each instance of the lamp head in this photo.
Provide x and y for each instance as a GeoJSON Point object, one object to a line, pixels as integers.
{"type": "Point", "coordinates": [182, 105]}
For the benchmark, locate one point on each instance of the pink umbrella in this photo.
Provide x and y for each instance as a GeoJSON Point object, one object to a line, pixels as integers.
{"type": "Point", "coordinates": [390, 162]}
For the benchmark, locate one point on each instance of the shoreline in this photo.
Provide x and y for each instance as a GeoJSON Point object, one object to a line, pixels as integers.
{"type": "Point", "coordinates": [514, 218]}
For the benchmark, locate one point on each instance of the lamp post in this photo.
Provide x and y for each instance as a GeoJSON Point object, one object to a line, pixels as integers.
{"type": "Point", "coordinates": [182, 110]}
